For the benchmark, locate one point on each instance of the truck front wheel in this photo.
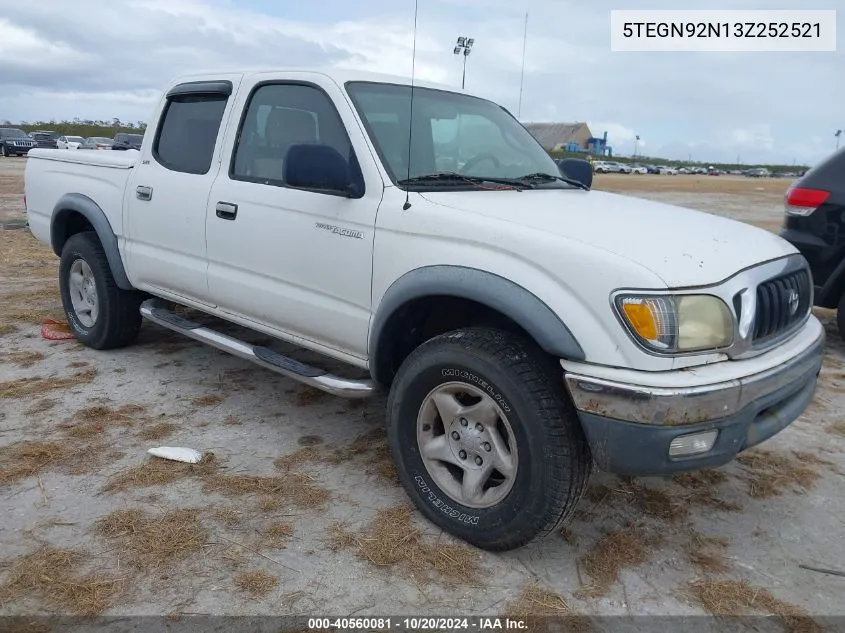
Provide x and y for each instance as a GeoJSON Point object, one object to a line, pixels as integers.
{"type": "Point", "coordinates": [101, 315]}
{"type": "Point", "coordinates": [485, 440]}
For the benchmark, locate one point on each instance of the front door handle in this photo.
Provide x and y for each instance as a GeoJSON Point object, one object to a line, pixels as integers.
{"type": "Point", "coordinates": [143, 193]}
{"type": "Point", "coordinates": [226, 210]}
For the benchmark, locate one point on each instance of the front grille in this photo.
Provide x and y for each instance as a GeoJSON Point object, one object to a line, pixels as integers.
{"type": "Point", "coordinates": [781, 303]}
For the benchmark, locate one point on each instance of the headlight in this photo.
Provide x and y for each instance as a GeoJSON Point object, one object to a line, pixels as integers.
{"type": "Point", "coordinates": [677, 323]}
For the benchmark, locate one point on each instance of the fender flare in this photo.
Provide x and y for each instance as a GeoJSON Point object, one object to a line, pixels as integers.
{"type": "Point", "coordinates": [500, 294]}
{"type": "Point", "coordinates": [71, 203]}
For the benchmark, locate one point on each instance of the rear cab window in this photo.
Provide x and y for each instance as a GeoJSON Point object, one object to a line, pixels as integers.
{"type": "Point", "coordinates": [189, 126]}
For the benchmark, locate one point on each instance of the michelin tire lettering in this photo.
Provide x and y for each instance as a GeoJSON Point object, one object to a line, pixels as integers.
{"type": "Point", "coordinates": [486, 386]}
{"type": "Point", "coordinates": [445, 508]}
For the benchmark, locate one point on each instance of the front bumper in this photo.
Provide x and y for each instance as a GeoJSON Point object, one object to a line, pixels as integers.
{"type": "Point", "coordinates": [630, 427]}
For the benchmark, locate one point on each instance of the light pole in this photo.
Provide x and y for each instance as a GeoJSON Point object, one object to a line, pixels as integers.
{"type": "Point", "coordinates": [464, 47]}
{"type": "Point", "coordinates": [636, 145]}
{"type": "Point", "coordinates": [837, 135]}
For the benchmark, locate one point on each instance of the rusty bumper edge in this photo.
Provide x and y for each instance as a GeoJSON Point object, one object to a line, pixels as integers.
{"type": "Point", "coordinates": [688, 405]}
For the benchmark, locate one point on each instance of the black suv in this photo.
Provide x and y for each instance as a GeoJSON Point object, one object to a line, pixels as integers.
{"type": "Point", "coordinates": [815, 225]}
{"type": "Point", "coordinates": [45, 139]}
{"type": "Point", "coordinates": [14, 142]}
{"type": "Point", "coordinates": [127, 141]}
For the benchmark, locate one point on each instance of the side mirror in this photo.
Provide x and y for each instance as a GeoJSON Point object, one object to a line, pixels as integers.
{"type": "Point", "coordinates": [576, 169]}
{"type": "Point", "coordinates": [320, 167]}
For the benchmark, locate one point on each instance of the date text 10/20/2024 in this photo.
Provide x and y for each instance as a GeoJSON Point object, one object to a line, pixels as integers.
{"type": "Point", "coordinates": [421, 623]}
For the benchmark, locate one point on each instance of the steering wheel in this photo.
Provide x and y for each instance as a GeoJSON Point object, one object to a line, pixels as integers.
{"type": "Point", "coordinates": [478, 158]}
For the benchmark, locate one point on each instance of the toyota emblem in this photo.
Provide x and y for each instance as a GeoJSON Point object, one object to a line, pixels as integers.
{"type": "Point", "coordinates": [792, 301]}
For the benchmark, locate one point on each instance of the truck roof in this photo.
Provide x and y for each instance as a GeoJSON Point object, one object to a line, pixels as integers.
{"type": "Point", "coordinates": [339, 75]}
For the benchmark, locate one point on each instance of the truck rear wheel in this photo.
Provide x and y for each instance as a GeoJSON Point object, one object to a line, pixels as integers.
{"type": "Point", "coordinates": [484, 437]}
{"type": "Point", "coordinates": [101, 315]}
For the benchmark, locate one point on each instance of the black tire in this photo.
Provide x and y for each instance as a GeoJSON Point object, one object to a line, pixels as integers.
{"type": "Point", "coordinates": [840, 316]}
{"type": "Point", "coordinates": [553, 457]}
{"type": "Point", "coordinates": [119, 318]}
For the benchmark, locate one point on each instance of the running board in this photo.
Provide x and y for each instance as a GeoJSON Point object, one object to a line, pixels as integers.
{"type": "Point", "coordinates": [152, 310]}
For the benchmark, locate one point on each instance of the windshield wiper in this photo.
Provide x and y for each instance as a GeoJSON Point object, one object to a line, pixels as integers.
{"type": "Point", "coordinates": [544, 177]}
{"type": "Point", "coordinates": [453, 178]}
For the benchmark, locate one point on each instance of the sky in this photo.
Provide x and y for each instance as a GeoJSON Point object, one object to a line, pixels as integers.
{"type": "Point", "coordinates": [98, 59]}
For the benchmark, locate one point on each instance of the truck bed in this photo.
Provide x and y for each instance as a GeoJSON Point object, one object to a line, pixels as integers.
{"type": "Point", "coordinates": [97, 174]}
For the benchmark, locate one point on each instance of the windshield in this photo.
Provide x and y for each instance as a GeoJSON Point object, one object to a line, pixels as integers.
{"type": "Point", "coordinates": [133, 138]}
{"type": "Point", "coordinates": [12, 133]}
{"type": "Point", "coordinates": [452, 133]}
{"type": "Point", "coordinates": [101, 140]}
{"type": "Point", "coordinates": [75, 139]}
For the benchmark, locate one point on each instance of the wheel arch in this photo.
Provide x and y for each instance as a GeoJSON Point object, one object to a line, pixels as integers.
{"type": "Point", "coordinates": [482, 292]}
{"type": "Point", "coordinates": [74, 213]}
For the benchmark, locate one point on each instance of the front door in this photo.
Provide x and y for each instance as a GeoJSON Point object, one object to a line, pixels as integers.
{"type": "Point", "coordinates": [296, 259]}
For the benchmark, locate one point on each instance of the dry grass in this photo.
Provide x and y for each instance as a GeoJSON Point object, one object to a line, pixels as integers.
{"type": "Point", "coordinates": [631, 493]}
{"type": "Point", "coordinates": [32, 305]}
{"type": "Point", "coordinates": [277, 534]}
{"type": "Point", "coordinates": [692, 184]}
{"type": "Point", "coordinates": [701, 489]}
{"type": "Point", "coordinates": [7, 328]}
{"type": "Point", "coordinates": [159, 472]}
{"type": "Point", "coordinates": [41, 406]}
{"type": "Point", "coordinates": [90, 421]}
{"type": "Point", "coordinates": [208, 400]}
{"type": "Point", "coordinates": [738, 597]}
{"type": "Point", "coordinates": [25, 387]}
{"type": "Point", "coordinates": [772, 474]}
{"type": "Point", "coordinates": [390, 540]}
{"type": "Point", "coordinates": [52, 575]}
{"type": "Point", "coordinates": [707, 552]}
{"type": "Point", "coordinates": [270, 504]}
{"type": "Point", "coordinates": [157, 431]}
{"type": "Point", "coordinates": [228, 517]}
{"type": "Point", "coordinates": [154, 541]}
{"type": "Point", "coordinates": [612, 553]}
{"type": "Point", "coordinates": [23, 257]}
{"type": "Point", "coordinates": [26, 459]}
{"type": "Point", "coordinates": [545, 611]}
{"type": "Point", "coordinates": [256, 583]}
{"type": "Point", "coordinates": [293, 488]}
{"type": "Point", "coordinates": [372, 446]}
{"type": "Point", "coordinates": [837, 428]}
{"type": "Point", "coordinates": [307, 396]}
{"type": "Point", "coordinates": [22, 359]}
{"type": "Point", "coordinates": [296, 459]}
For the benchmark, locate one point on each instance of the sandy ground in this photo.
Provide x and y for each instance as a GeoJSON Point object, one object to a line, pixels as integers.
{"type": "Point", "coordinates": [298, 511]}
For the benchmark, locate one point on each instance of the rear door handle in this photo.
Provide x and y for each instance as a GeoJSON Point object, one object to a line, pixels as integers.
{"type": "Point", "coordinates": [143, 193]}
{"type": "Point", "coordinates": [226, 210]}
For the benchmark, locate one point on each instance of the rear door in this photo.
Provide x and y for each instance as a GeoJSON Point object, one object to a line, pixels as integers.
{"type": "Point", "coordinates": [167, 195]}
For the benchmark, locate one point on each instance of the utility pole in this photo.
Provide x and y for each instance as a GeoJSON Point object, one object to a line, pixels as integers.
{"type": "Point", "coordinates": [522, 73]}
{"type": "Point", "coordinates": [636, 146]}
{"type": "Point", "coordinates": [464, 47]}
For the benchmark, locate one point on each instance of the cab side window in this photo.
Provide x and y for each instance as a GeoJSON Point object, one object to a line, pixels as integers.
{"type": "Point", "coordinates": [279, 120]}
{"type": "Point", "coordinates": [188, 132]}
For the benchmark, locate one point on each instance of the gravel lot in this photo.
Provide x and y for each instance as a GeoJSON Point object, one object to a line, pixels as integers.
{"type": "Point", "coordinates": [298, 510]}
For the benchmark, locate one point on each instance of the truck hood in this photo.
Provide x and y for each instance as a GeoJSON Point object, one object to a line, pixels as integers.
{"type": "Point", "coordinates": [682, 246]}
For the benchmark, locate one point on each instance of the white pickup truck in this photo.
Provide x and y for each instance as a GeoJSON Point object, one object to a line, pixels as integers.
{"type": "Point", "coordinates": [524, 326]}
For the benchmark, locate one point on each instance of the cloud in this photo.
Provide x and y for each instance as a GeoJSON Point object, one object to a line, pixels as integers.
{"type": "Point", "coordinates": [95, 59]}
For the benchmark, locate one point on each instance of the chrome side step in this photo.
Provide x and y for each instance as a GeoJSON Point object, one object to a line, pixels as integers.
{"type": "Point", "coordinates": [153, 310]}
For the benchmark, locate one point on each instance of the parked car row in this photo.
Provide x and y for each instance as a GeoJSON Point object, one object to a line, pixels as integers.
{"type": "Point", "coordinates": [15, 142]}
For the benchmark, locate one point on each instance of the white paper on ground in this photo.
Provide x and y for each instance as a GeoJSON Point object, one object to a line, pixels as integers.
{"type": "Point", "coordinates": [177, 453]}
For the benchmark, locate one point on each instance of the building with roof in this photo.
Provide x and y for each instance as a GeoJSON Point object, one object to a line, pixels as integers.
{"type": "Point", "coordinates": [570, 137]}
